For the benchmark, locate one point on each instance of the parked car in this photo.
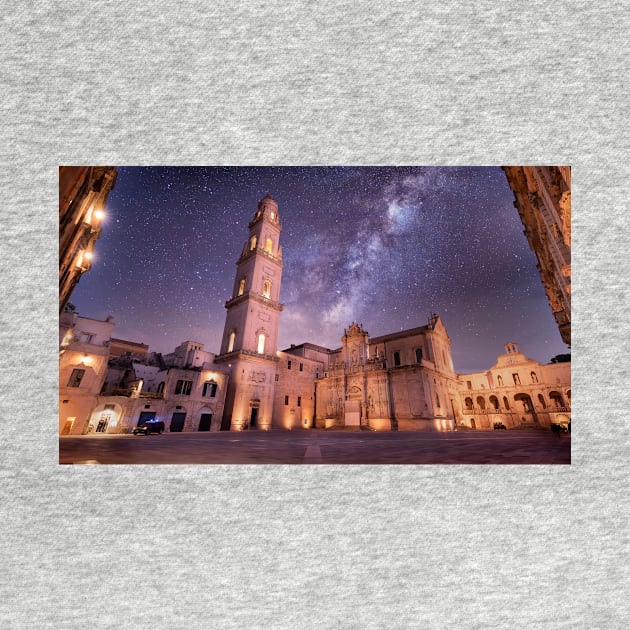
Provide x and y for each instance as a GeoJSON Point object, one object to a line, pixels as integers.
{"type": "Point", "coordinates": [150, 426]}
{"type": "Point", "coordinates": [559, 428]}
{"type": "Point", "coordinates": [499, 426]}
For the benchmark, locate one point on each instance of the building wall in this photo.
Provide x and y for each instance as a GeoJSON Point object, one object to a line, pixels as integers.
{"type": "Point", "coordinates": [543, 200]}
{"type": "Point", "coordinates": [294, 391]}
{"type": "Point", "coordinates": [122, 348]}
{"type": "Point", "coordinates": [83, 191]}
{"type": "Point", "coordinates": [189, 401]}
{"type": "Point", "coordinates": [517, 392]}
{"type": "Point", "coordinates": [252, 386]}
{"type": "Point", "coordinates": [84, 355]}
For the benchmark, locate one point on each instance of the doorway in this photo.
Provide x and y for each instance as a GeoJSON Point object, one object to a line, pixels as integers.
{"type": "Point", "coordinates": [103, 421]}
{"type": "Point", "coordinates": [177, 422]}
{"type": "Point", "coordinates": [253, 418]}
{"type": "Point", "coordinates": [205, 422]}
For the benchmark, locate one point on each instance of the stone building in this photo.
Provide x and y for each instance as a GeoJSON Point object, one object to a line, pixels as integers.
{"type": "Point", "coordinates": [83, 191]}
{"type": "Point", "coordinates": [84, 354]}
{"type": "Point", "coordinates": [543, 200]}
{"type": "Point", "coordinates": [400, 381]}
{"type": "Point", "coordinates": [185, 397]}
{"type": "Point", "coordinates": [250, 337]}
{"type": "Point", "coordinates": [517, 392]}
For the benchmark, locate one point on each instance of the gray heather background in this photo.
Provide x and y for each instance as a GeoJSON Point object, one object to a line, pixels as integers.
{"type": "Point", "coordinates": [327, 83]}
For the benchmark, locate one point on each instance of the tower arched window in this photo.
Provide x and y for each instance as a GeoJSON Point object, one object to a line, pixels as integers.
{"type": "Point", "coordinates": [241, 286]}
{"type": "Point", "coordinates": [253, 241]}
{"type": "Point", "coordinates": [268, 245]}
{"type": "Point", "coordinates": [231, 341]}
{"type": "Point", "coordinates": [534, 377]}
{"type": "Point", "coordinates": [500, 381]}
{"type": "Point", "coordinates": [261, 343]}
{"type": "Point", "coordinates": [267, 289]}
{"type": "Point", "coordinates": [418, 355]}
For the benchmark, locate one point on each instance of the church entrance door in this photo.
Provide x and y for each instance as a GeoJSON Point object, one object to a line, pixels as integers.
{"type": "Point", "coordinates": [253, 418]}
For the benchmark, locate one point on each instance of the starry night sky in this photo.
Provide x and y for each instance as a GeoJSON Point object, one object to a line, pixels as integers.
{"type": "Point", "coordinates": [383, 246]}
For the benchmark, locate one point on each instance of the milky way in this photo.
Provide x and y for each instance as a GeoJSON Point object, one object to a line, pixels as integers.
{"type": "Point", "coordinates": [383, 246]}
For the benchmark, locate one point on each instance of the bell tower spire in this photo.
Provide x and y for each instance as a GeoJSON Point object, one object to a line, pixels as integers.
{"type": "Point", "coordinates": [250, 336]}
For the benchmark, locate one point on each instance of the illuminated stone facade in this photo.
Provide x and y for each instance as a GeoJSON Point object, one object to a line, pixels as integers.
{"type": "Point", "coordinates": [543, 200]}
{"type": "Point", "coordinates": [83, 191]}
{"type": "Point", "coordinates": [403, 381]}
{"type": "Point", "coordinates": [84, 355]}
{"type": "Point", "coordinates": [517, 392]}
{"type": "Point", "coordinates": [250, 337]}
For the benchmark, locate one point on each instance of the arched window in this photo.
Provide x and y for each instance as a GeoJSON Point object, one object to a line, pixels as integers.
{"type": "Point", "coordinates": [534, 377]}
{"type": "Point", "coordinates": [481, 402]}
{"type": "Point", "coordinates": [557, 399]}
{"type": "Point", "coordinates": [272, 215]}
{"type": "Point", "coordinates": [241, 286]}
{"type": "Point", "coordinates": [506, 404]}
{"type": "Point", "coordinates": [267, 289]}
{"type": "Point", "coordinates": [494, 401]}
{"type": "Point", "coordinates": [268, 245]}
{"type": "Point", "coordinates": [437, 400]}
{"type": "Point", "coordinates": [261, 343]}
{"type": "Point", "coordinates": [418, 355]}
{"type": "Point", "coordinates": [500, 380]}
{"type": "Point", "coordinates": [469, 403]}
{"type": "Point", "coordinates": [396, 359]}
{"type": "Point", "coordinates": [231, 341]}
{"type": "Point", "coordinates": [541, 400]}
{"type": "Point", "coordinates": [252, 243]}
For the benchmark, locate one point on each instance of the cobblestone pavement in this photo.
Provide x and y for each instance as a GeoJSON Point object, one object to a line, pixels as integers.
{"type": "Point", "coordinates": [319, 447]}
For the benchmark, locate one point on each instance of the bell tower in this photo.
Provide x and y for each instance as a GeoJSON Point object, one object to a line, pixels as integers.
{"type": "Point", "coordinates": [250, 337]}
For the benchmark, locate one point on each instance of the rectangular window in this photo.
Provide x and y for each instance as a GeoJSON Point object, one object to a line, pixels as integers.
{"type": "Point", "coordinates": [288, 365]}
{"type": "Point", "coordinates": [469, 383]}
{"type": "Point", "coordinates": [301, 367]}
{"type": "Point", "coordinates": [277, 378]}
{"type": "Point", "coordinates": [108, 407]}
{"type": "Point", "coordinates": [286, 400]}
{"type": "Point", "coordinates": [86, 337]}
{"type": "Point", "coordinates": [183, 388]}
{"type": "Point", "coordinates": [75, 378]}
{"type": "Point", "coordinates": [209, 389]}
{"type": "Point", "coordinates": [299, 401]}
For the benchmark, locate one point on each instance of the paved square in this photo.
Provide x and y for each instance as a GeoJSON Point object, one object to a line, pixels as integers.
{"type": "Point", "coordinates": [319, 447]}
